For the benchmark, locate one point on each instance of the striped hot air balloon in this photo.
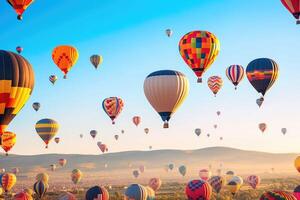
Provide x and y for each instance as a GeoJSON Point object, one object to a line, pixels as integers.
{"type": "Point", "coordinates": [42, 177]}
{"type": "Point", "coordinates": [65, 57]}
{"type": "Point", "coordinates": [293, 7]}
{"type": "Point", "coordinates": [166, 90]}
{"type": "Point", "coordinates": [235, 73]}
{"type": "Point", "coordinates": [20, 6]}
{"type": "Point", "coordinates": [215, 83]}
{"type": "Point", "coordinates": [40, 188]}
{"type": "Point", "coordinates": [96, 60]}
{"type": "Point", "coordinates": [198, 189]}
{"type": "Point", "coordinates": [136, 192]}
{"type": "Point", "coordinates": [62, 162]}
{"type": "Point", "coordinates": [8, 141]}
{"type": "Point", "coordinates": [46, 129]}
{"type": "Point", "coordinates": [277, 195]}
{"type": "Point", "coordinates": [150, 193]}
{"type": "Point", "coordinates": [253, 181]}
{"type": "Point", "coordinates": [113, 106]}
{"type": "Point", "coordinates": [217, 182]}
{"type": "Point", "coordinates": [199, 49]}
{"type": "Point", "coordinates": [16, 85]}
{"type": "Point", "coordinates": [8, 180]}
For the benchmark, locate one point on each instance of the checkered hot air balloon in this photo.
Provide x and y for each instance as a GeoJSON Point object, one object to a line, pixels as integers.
{"type": "Point", "coordinates": [113, 106]}
{"type": "Point", "coordinates": [199, 49]}
{"type": "Point", "coordinates": [217, 182]}
{"type": "Point", "coordinates": [253, 181]}
{"type": "Point", "coordinates": [215, 83]}
{"type": "Point", "coordinates": [97, 192]}
{"type": "Point", "coordinates": [198, 189]}
{"type": "Point", "coordinates": [235, 73]}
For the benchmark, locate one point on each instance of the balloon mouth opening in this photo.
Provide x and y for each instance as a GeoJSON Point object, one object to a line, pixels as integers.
{"type": "Point", "coordinates": [199, 80]}
{"type": "Point", "coordinates": [166, 125]}
{"type": "Point", "coordinates": [19, 17]}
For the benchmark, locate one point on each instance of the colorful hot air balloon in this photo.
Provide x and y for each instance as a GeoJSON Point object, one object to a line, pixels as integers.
{"type": "Point", "coordinates": [67, 196]}
{"type": "Point", "coordinates": [262, 73]}
{"type": "Point", "coordinates": [182, 170]}
{"type": "Point", "coordinates": [198, 189]}
{"type": "Point", "coordinates": [96, 60]}
{"type": "Point", "coordinates": [155, 183]}
{"type": "Point", "coordinates": [166, 90]}
{"type": "Point", "coordinates": [36, 106]}
{"type": "Point", "coordinates": [293, 7]}
{"type": "Point", "coordinates": [116, 137]}
{"type": "Point", "coordinates": [93, 133]}
{"type": "Point", "coordinates": [8, 180]}
{"type": "Point", "coordinates": [56, 140]}
{"type": "Point", "coordinates": [297, 163]}
{"type": "Point", "coordinates": [97, 192]}
{"type": "Point", "coordinates": [253, 181]}
{"type": "Point", "coordinates": [53, 79]}
{"type": "Point", "coordinates": [146, 130]}
{"type": "Point", "coordinates": [233, 187]}
{"type": "Point", "coordinates": [17, 82]}
{"type": "Point", "coordinates": [277, 195]}
{"type": "Point", "coordinates": [62, 162]}
{"type": "Point", "coordinates": [102, 147]}
{"type": "Point", "coordinates": [8, 141]}
{"type": "Point", "coordinates": [136, 192]}
{"type": "Point", "coordinates": [229, 175]}
{"type": "Point", "coordinates": [150, 193]}
{"type": "Point", "coordinates": [283, 131]}
{"type": "Point", "coordinates": [204, 174]}
{"type": "Point", "coordinates": [22, 196]}
{"type": "Point", "coordinates": [217, 182]}
{"type": "Point", "coordinates": [53, 167]}
{"type": "Point", "coordinates": [44, 177]}
{"type": "Point", "coordinates": [20, 6]}
{"type": "Point", "coordinates": [235, 73]}
{"type": "Point", "coordinates": [199, 49]}
{"type": "Point", "coordinates": [19, 49]}
{"type": "Point", "coordinates": [76, 176]}
{"type": "Point", "coordinates": [46, 129]}
{"type": "Point", "coordinates": [198, 131]}
{"type": "Point", "coordinates": [65, 57]}
{"type": "Point", "coordinates": [215, 83]}
{"type": "Point", "coordinates": [113, 107]}
{"type": "Point", "coordinates": [136, 120]}
{"type": "Point", "coordinates": [136, 173]}
{"type": "Point", "coordinates": [296, 192]}
{"type": "Point", "coordinates": [237, 179]}
{"type": "Point", "coordinates": [262, 127]}
{"type": "Point", "coordinates": [169, 32]}
{"type": "Point", "coordinates": [40, 188]}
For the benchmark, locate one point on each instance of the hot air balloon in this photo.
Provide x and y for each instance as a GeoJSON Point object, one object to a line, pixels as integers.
{"type": "Point", "coordinates": [46, 129]}
{"type": "Point", "coordinates": [102, 147]}
{"type": "Point", "coordinates": [262, 73]}
{"type": "Point", "coordinates": [253, 181]}
{"type": "Point", "coordinates": [142, 168]}
{"type": "Point", "coordinates": [122, 131]}
{"type": "Point", "coordinates": [36, 106]}
{"type": "Point", "coordinates": [283, 131]}
{"type": "Point", "coordinates": [296, 192]}
{"type": "Point", "coordinates": [182, 170]}
{"type": "Point", "coordinates": [93, 133]}
{"type": "Point", "coordinates": [53, 79]}
{"type": "Point", "coordinates": [136, 120]}
{"type": "Point", "coordinates": [262, 127]}
{"type": "Point", "coordinates": [113, 107]}
{"type": "Point", "coordinates": [215, 126]}
{"type": "Point", "coordinates": [22, 196]}
{"type": "Point", "coordinates": [97, 192]}
{"type": "Point", "coordinates": [208, 135]}
{"type": "Point", "coordinates": [235, 73]}
{"type": "Point", "coordinates": [116, 137]}
{"type": "Point", "coordinates": [198, 131]}
{"type": "Point", "coordinates": [238, 180]}
{"type": "Point", "coordinates": [150, 193]}
{"type": "Point", "coordinates": [15, 170]}
{"type": "Point", "coordinates": [259, 101]}
{"type": "Point", "coordinates": [57, 139]}
{"type": "Point", "coordinates": [204, 174]}
{"type": "Point", "coordinates": [297, 163]}
{"type": "Point", "coordinates": [8, 141]}
{"type": "Point", "coordinates": [146, 130]}
{"type": "Point", "coordinates": [136, 192]}
{"type": "Point", "coordinates": [44, 177]}
{"type": "Point", "coordinates": [198, 189]}
{"type": "Point", "coordinates": [155, 183]}
{"type": "Point", "coordinates": [17, 81]}
{"type": "Point", "coordinates": [215, 83]}
{"type": "Point", "coordinates": [62, 162]}
{"type": "Point", "coordinates": [199, 49]}
{"type": "Point", "coordinates": [171, 166]}
{"type": "Point", "coordinates": [53, 167]}
{"type": "Point", "coordinates": [29, 191]}
{"type": "Point", "coordinates": [76, 176]}
{"type": "Point", "coordinates": [277, 195]}
{"type": "Point", "coordinates": [166, 90]}
{"type": "Point", "coordinates": [65, 57]}
{"type": "Point", "coordinates": [136, 173]}
{"type": "Point", "coordinates": [293, 7]}
{"type": "Point", "coordinates": [2, 170]}
{"type": "Point", "coordinates": [169, 32]}
{"type": "Point", "coordinates": [20, 6]}
{"type": "Point", "coordinates": [19, 49]}
{"type": "Point", "coordinates": [67, 196]}
{"type": "Point", "coordinates": [40, 188]}
{"type": "Point", "coordinates": [8, 180]}
{"type": "Point", "coordinates": [233, 187]}
{"type": "Point", "coordinates": [96, 60]}
{"type": "Point", "coordinates": [217, 182]}
{"type": "Point", "coordinates": [218, 113]}
{"type": "Point", "coordinates": [81, 135]}
{"type": "Point", "coordinates": [229, 174]}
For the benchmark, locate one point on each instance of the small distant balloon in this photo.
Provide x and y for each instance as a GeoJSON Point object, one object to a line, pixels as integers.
{"type": "Point", "coordinates": [122, 131]}
{"type": "Point", "coordinates": [93, 133]}
{"type": "Point", "coordinates": [169, 32]}
{"type": "Point", "coordinates": [116, 137]}
{"type": "Point", "coordinates": [198, 131]}
{"type": "Point", "coordinates": [53, 79]}
{"type": "Point", "coordinates": [81, 135]}
{"type": "Point", "coordinates": [142, 168]}
{"type": "Point", "coordinates": [76, 176]}
{"type": "Point", "coordinates": [283, 130]}
{"type": "Point", "coordinates": [62, 162]}
{"type": "Point", "coordinates": [19, 49]}
{"type": "Point", "coordinates": [96, 60]}
{"type": "Point", "coordinates": [36, 106]}
{"type": "Point", "coordinates": [215, 83]}
{"type": "Point", "coordinates": [136, 120]}
{"type": "Point", "coordinates": [215, 126]}
{"type": "Point", "coordinates": [218, 113]}
{"type": "Point", "coordinates": [262, 127]}
{"type": "Point", "coordinates": [56, 140]}
{"type": "Point", "coordinates": [146, 130]}
{"type": "Point", "coordinates": [136, 173]}
{"type": "Point", "coordinates": [259, 101]}
{"type": "Point", "coordinates": [182, 170]}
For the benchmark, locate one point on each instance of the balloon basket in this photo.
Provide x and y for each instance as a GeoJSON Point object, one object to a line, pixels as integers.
{"type": "Point", "coordinates": [166, 125]}
{"type": "Point", "coordinates": [199, 80]}
{"type": "Point", "coordinates": [298, 22]}
{"type": "Point", "coordinates": [65, 76]}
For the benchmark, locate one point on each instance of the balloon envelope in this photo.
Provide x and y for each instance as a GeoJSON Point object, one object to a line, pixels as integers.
{"type": "Point", "coordinates": [198, 189]}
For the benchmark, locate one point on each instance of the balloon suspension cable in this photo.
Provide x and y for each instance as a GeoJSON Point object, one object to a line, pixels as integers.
{"type": "Point", "coordinates": [199, 80]}
{"type": "Point", "coordinates": [166, 124]}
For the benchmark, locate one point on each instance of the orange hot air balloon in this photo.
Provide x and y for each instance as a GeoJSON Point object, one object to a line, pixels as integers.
{"type": "Point", "coordinates": [297, 163]}
{"type": "Point", "coordinates": [8, 141]}
{"type": "Point", "coordinates": [65, 57]}
{"type": "Point", "coordinates": [20, 6]}
{"type": "Point", "coordinates": [136, 120]}
{"type": "Point", "coordinates": [8, 181]}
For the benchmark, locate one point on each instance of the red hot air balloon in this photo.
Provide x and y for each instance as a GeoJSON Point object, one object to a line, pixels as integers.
{"type": "Point", "coordinates": [198, 189]}
{"type": "Point", "coordinates": [293, 7]}
{"type": "Point", "coordinates": [102, 147]}
{"type": "Point", "coordinates": [136, 120]}
{"type": "Point", "coordinates": [20, 6]}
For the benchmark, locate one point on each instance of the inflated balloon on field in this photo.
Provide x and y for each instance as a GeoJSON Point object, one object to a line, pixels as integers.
{"type": "Point", "coordinates": [136, 192]}
{"type": "Point", "coordinates": [97, 192]}
{"type": "Point", "coordinates": [40, 188]}
{"type": "Point", "coordinates": [198, 189]}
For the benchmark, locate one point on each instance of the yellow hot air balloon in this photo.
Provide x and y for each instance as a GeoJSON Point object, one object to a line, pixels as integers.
{"type": "Point", "coordinates": [42, 177]}
{"type": "Point", "coordinates": [76, 176]}
{"type": "Point", "coordinates": [166, 90]}
{"type": "Point", "coordinates": [65, 57]}
{"type": "Point", "coordinates": [8, 181]}
{"type": "Point", "coordinates": [46, 129]}
{"type": "Point", "coordinates": [233, 187]}
{"type": "Point", "coordinates": [297, 163]}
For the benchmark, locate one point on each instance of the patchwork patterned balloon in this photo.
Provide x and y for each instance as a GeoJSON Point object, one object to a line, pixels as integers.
{"type": "Point", "coordinates": [198, 189]}
{"type": "Point", "coordinates": [277, 195]}
{"type": "Point", "coordinates": [215, 83]}
{"type": "Point", "coordinates": [217, 182]}
{"type": "Point", "coordinates": [235, 73]}
{"type": "Point", "coordinates": [113, 107]}
{"type": "Point", "coordinates": [253, 181]}
{"type": "Point", "coordinates": [199, 49]}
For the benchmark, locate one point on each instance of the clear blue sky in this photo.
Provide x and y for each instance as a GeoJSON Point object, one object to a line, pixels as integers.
{"type": "Point", "coordinates": [130, 36]}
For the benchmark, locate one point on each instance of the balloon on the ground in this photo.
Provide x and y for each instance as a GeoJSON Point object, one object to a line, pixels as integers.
{"type": "Point", "coordinates": [76, 176]}
{"type": "Point", "coordinates": [150, 193]}
{"type": "Point", "coordinates": [15, 170]}
{"type": "Point", "coordinates": [8, 180]}
{"type": "Point", "coordinates": [136, 173]}
{"type": "Point", "coordinates": [53, 167]}
{"type": "Point", "coordinates": [217, 182]}
{"type": "Point", "coordinates": [233, 187]}
{"type": "Point", "coordinates": [204, 174]}
{"type": "Point", "coordinates": [40, 188]}
{"type": "Point", "coordinates": [67, 196]}
{"type": "Point", "coordinates": [97, 192]}
{"type": "Point", "coordinates": [22, 196]}
{"type": "Point", "coordinates": [198, 189]}
{"type": "Point", "coordinates": [171, 166]}
{"type": "Point", "coordinates": [42, 177]}
{"type": "Point", "coordinates": [296, 192]}
{"type": "Point", "coordinates": [155, 183]}
{"type": "Point", "coordinates": [142, 168]}
{"type": "Point", "coordinates": [136, 192]}
{"type": "Point", "coordinates": [253, 181]}
{"type": "Point", "coordinates": [182, 170]}
{"type": "Point", "coordinates": [277, 195]}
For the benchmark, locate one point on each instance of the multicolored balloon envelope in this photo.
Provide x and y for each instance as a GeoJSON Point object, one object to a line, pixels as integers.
{"type": "Point", "coordinates": [253, 181]}
{"type": "Point", "coordinates": [166, 90]}
{"type": "Point", "coordinates": [215, 83]}
{"type": "Point", "coordinates": [217, 182]}
{"type": "Point", "coordinates": [62, 162]}
{"type": "Point", "coordinates": [205, 174]}
{"type": "Point", "coordinates": [9, 139]}
{"type": "Point", "coordinates": [136, 192]}
{"type": "Point", "coordinates": [235, 73]}
{"type": "Point", "coordinates": [96, 60]}
{"type": "Point", "coordinates": [198, 189]}
{"type": "Point", "coordinates": [53, 79]}
{"type": "Point", "coordinates": [67, 196]}
{"type": "Point", "coordinates": [293, 7]}
{"type": "Point", "coordinates": [277, 195]}
{"type": "Point", "coordinates": [40, 188]}
{"type": "Point", "coordinates": [42, 177]}
{"type": "Point", "coordinates": [97, 192]}
{"type": "Point", "coordinates": [155, 183]}
{"type": "Point", "coordinates": [76, 176]}
{"type": "Point", "coordinates": [46, 129]}
{"type": "Point", "coordinates": [22, 196]}
{"type": "Point", "coordinates": [20, 6]}
{"type": "Point", "coordinates": [113, 106]}
{"type": "Point", "coordinates": [199, 49]}
{"type": "Point", "coordinates": [8, 180]}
